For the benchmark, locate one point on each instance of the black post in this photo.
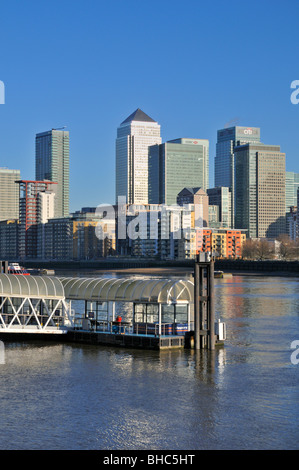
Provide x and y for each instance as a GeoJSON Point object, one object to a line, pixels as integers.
{"type": "Point", "coordinates": [4, 267]}
{"type": "Point", "coordinates": [202, 306]}
{"type": "Point", "coordinates": [196, 306]}
{"type": "Point", "coordinates": [204, 303]}
{"type": "Point", "coordinates": [212, 306]}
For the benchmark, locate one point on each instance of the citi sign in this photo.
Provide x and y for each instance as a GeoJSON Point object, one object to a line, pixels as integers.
{"type": "Point", "coordinates": [2, 93]}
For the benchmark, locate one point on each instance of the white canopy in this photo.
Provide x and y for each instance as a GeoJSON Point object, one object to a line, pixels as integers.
{"type": "Point", "coordinates": [128, 290]}
{"type": "Point", "coordinates": [13, 285]}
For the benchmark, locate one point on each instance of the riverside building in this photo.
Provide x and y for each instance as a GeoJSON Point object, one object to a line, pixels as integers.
{"type": "Point", "coordinates": [36, 208]}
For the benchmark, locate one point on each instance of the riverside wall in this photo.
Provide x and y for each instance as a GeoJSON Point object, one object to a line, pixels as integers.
{"type": "Point", "coordinates": [245, 266]}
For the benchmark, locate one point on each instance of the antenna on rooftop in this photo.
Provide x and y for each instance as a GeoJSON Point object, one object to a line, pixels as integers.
{"type": "Point", "coordinates": [232, 123]}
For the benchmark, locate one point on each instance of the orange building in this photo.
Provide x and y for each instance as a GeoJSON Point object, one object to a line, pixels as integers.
{"type": "Point", "coordinates": [225, 243]}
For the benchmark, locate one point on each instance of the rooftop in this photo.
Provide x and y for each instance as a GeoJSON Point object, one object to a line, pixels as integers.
{"type": "Point", "coordinates": [138, 115]}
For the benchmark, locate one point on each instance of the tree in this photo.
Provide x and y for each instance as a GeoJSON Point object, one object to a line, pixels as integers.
{"type": "Point", "coordinates": [264, 250]}
{"type": "Point", "coordinates": [289, 249]}
{"type": "Point", "coordinates": [249, 249]}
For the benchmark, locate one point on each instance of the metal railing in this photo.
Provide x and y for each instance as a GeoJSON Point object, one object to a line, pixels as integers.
{"type": "Point", "coordinates": [151, 329]}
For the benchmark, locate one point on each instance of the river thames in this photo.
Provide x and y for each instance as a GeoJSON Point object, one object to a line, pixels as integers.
{"type": "Point", "coordinates": [244, 395]}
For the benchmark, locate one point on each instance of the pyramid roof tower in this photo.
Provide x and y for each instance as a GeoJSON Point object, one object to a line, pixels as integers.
{"type": "Point", "coordinates": [138, 115]}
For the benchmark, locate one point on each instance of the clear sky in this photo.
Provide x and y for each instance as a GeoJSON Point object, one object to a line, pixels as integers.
{"type": "Point", "coordinates": [193, 66]}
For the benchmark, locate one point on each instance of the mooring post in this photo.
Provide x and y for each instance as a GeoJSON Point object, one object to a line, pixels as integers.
{"type": "Point", "coordinates": [212, 306]}
{"type": "Point", "coordinates": [204, 302]}
{"type": "Point", "coordinates": [196, 305]}
{"type": "Point", "coordinates": [202, 306]}
{"type": "Point", "coordinates": [4, 267]}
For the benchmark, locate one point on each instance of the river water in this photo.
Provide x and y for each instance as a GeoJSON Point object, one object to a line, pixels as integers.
{"type": "Point", "coordinates": [242, 396]}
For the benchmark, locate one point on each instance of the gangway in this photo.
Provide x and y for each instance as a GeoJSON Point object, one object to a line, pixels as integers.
{"type": "Point", "coordinates": [33, 304]}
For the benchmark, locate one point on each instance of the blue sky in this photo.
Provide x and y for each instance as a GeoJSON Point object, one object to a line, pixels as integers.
{"type": "Point", "coordinates": [193, 66]}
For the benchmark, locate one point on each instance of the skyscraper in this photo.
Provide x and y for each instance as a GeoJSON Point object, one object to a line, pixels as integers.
{"type": "Point", "coordinates": [9, 194]}
{"type": "Point", "coordinates": [134, 136]}
{"type": "Point", "coordinates": [52, 164]}
{"type": "Point", "coordinates": [175, 165]}
{"type": "Point", "coordinates": [292, 185]}
{"type": "Point", "coordinates": [260, 190]}
{"type": "Point", "coordinates": [227, 140]}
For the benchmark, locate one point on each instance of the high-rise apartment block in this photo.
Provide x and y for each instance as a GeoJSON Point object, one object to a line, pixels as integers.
{"type": "Point", "coordinates": [36, 208]}
{"type": "Point", "coordinates": [260, 190]}
{"type": "Point", "coordinates": [134, 137]}
{"type": "Point", "coordinates": [227, 140]}
{"type": "Point", "coordinates": [175, 165]}
{"type": "Point", "coordinates": [9, 194]}
{"type": "Point", "coordinates": [52, 163]}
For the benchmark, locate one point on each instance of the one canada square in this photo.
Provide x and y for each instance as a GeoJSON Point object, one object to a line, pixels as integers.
{"type": "Point", "coordinates": [134, 137]}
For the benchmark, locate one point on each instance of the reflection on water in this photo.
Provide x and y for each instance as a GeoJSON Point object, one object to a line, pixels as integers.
{"type": "Point", "coordinates": [242, 396]}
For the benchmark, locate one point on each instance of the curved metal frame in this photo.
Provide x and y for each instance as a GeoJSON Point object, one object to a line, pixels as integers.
{"type": "Point", "coordinates": [13, 285]}
{"type": "Point", "coordinates": [114, 289]}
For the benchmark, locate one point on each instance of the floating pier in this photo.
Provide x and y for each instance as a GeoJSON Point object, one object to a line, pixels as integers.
{"type": "Point", "coordinates": [155, 313]}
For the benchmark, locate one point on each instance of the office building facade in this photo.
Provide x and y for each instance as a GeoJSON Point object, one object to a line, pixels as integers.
{"type": "Point", "coordinates": [221, 197]}
{"type": "Point", "coordinates": [260, 190]}
{"type": "Point", "coordinates": [9, 194]}
{"type": "Point", "coordinates": [175, 165]}
{"type": "Point", "coordinates": [134, 137]}
{"type": "Point", "coordinates": [292, 185]}
{"type": "Point", "coordinates": [227, 140]}
{"type": "Point", "coordinates": [52, 151]}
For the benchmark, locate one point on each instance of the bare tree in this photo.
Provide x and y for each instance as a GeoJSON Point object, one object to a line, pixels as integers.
{"type": "Point", "coordinates": [264, 250]}
{"type": "Point", "coordinates": [249, 249]}
{"type": "Point", "coordinates": [289, 249]}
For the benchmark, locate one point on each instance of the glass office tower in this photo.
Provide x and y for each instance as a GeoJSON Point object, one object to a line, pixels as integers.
{"type": "Point", "coordinates": [134, 137]}
{"type": "Point", "coordinates": [175, 165]}
{"type": "Point", "coordinates": [260, 190]}
{"type": "Point", "coordinates": [52, 152]}
{"type": "Point", "coordinates": [292, 185]}
{"type": "Point", "coordinates": [227, 140]}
